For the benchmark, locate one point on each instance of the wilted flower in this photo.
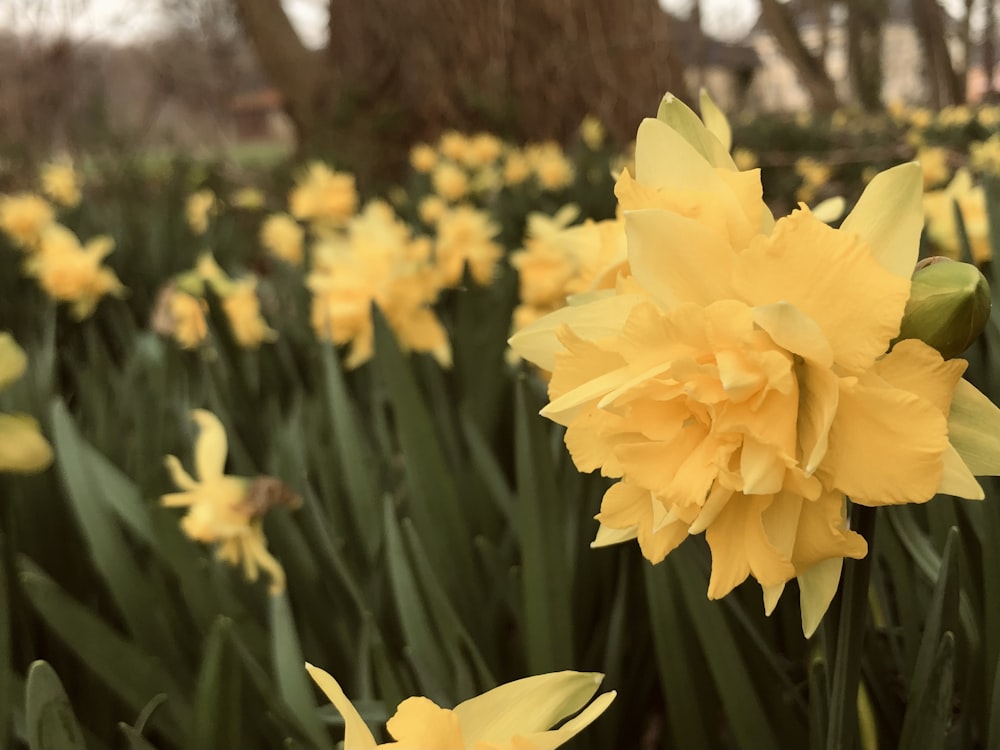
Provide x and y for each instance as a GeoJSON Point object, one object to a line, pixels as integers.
{"type": "Point", "coordinates": [226, 510]}
{"type": "Point", "coordinates": [23, 217]}
{"type": "Point", "coordinates": [199, 208]}
{"type": "Point", "coordinates": [737, 384]}
{"type": "Point", "coordinates": [71, 273]}
{"type": "Point", "coordinates": [942, 225]}
{"type": "Point", "coordinates": [22, 448]}
{"type": "Point", "coordinates": [282, 236]}
{"type": "Point", "coordinates": [518, 715]}
{"type": "Point", "coordinates": [323, 196]}
{"type": "Point", "coordinates": [466, 235]}
{"type": "Point", "coordinates": [61, 183]}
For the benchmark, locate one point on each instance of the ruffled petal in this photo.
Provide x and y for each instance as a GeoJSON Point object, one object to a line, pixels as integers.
{"type": "Point", "coordinates": [357, 735]}
{"type": "Point", "coordinates": [211, 447]}
{"type": "Point", "coordinates": [419, 722]}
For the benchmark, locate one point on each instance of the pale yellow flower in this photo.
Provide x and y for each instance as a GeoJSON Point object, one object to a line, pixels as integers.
{"type": "Point", "coordinates": [516, 168]}
{"type": "Point", "coordinates": [466, 235]}
{"type": "Point", "coordinates": [23, 217]}
{"type": "Point", "coordinates": [423, 157]}
{"type": "Point", "coordinates": [934, 164]}
{"type": "Point", "coordinates": [942, 226]}
{"type": "Point", "coordinates": [985, 157]}
{"type": "Point", "coordinates": [282, 236]}
{"type": "Point", "coordinates": [249, 198]}
{"type": "Point", "coordinates": [324, 196]}
{"type": "Point", "coordinates": [22, 448]}
{"type": "Point", "coordinates": [200, 207]}
{"type": "Point", "coordinates": [592, 132]}
{"type": "Point", "coordinates": [431, 208]}
{"type": "Point", "coordinates": [518, 715]}
{"type": "Point", "coordinates": [814, 176]}
{"type": "Point", "coordinates": [737, 384]}
{"type": "Point", "coordinates": [454, 145]}
{"type": "Point", "coordinates": [242, 308]}
{"type": "Point", "coordinates": [552, 168]}
{"type": "Point", "coordinates": [61, 183]}
{"type": "Point", "coordinates": [482, 150]}
{"type": "Point", "coordinates": [450, 181]}
{"type": "Point", "coordinates": [225, 510]}
{"type": "Point", "coordinates": [69, 272]}
{"type": "Point", "coordinates": [745, 159]}
{"type": "Point", "coordinates": [187, 321]}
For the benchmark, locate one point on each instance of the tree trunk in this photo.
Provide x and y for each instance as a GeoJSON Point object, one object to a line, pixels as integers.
{"type": "Point", "coordinates": [946, 85]}
{"type": "Point", "coordinates": [989, 47]}
{"type": "Point", "coordinates": [811, 69]}
{"type": "Point", "coordinates": [865, 19]}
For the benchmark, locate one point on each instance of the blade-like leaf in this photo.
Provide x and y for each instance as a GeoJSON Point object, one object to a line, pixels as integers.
{"type": "Point", "coordinates": [50, 720]}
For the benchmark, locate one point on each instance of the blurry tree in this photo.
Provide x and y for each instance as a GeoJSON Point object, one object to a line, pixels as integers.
{"type": "Point", "coordinates": [946, 83]}
{"type": "Point", "coordinates": [392, 72]}
{"type": "Point", "coordinates": [865, 21]}
{"type": "Point", "coordinates": [781, 22]}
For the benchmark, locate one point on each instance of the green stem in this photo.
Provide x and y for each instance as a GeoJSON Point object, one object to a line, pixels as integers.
{"type": "Point", "coordinates": [843, 715]}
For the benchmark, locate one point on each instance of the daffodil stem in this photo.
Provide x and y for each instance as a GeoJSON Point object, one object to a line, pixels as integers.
{"type": "Point", "coordinates": [843, 716]}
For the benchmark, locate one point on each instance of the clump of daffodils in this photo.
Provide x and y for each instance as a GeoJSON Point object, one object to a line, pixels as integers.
{"type": "Point", "coordinates": [73, 273]}
{"type": "Point", "coordinates": [963, 194]}
{"type": "Point", "coordinates": [376, 261]}
{"type": "Point", "coordinates": [738, 384]}
{"type": "Point", "coordinates": [814, 175]}
{"type": "Point", "coordinates": [517, 715]}
{"type": "Point", "coordinates": [23, 449]}
{"type": "Point", "coordinates": [224, 510]}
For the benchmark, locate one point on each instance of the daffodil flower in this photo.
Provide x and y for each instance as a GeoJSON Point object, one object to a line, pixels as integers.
{"type": "Point", "coordinates": [518, 715]}
{"type": "Point", "coordinates": [22, 447]}
{"type": "Point", "coordinates": [222, 509]}
{"type": "Point", "coordinates": [738, 384]}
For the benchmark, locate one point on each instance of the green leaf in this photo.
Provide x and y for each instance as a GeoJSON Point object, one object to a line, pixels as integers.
{"type": "Point", "coordinates": [974, 429]}
{"type": "Point", "coordinates": [993, 732]}
{"type": "Point", "coordinates": [6, 644]}
{"type": "Point", "coordinates": [356, 459]}
{"type": "Point", "coordinates": [819, 703]}
{"type": "Point", "coordinates": [130, 673]}
{"type": "Point", "coordinates": [935, 655]}
{"type": "Point", "coordinates": [928, 716]}
{"type": "Point", "coordinates": [294, 684]}
{"type": "Point", "coordinates": [135, 740]}
{"type": "Point", "coordinates": [50, 721]}
{"type": "Point", "coordinates": [217, 711]}
{"type": "Point", "coordinates": [545, 578]}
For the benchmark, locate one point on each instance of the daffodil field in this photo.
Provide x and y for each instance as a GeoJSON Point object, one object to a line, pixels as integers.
{"type": "Point", "coordinates": [690, 446]}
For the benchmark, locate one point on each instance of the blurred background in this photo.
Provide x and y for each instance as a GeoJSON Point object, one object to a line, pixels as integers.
{"type": "Point", "coordinates": [361, 82]}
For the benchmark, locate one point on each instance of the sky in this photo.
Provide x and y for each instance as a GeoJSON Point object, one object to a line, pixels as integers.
{"type": "Point", "coordinates": [130, 20]}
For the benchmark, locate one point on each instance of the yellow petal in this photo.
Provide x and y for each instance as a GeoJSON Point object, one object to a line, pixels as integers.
{"type": "Point", "coordinates": [678, 259]}
{"type": "Point", "coordinates": [817, 586]}
{"type": "Point", "coordinates": [792, 330]}
{"type": "Point", "coordinates": [629, 507]}
{"type": "Point", "coordinates": [597, 318]}
{"type": "Point", "coordinates": [821, 532]}
{"type": "Point", "coordinates": [830, 210]}
{"type": "Point", "coordinates": [832, 279]}
{"type": "Point", "coordinates": [556, 737]}
{"type": "Point", "coordinates": [918, 368]}
{"type": "Point", "coordinates": [211, 447]}
{"type": "Point", "coordinates": [22, 447]}
{"type": "Point", "coordinates": [974, 429]}
{"type": "Point", "coordinates": [886, 445]}
{"type": "Point", "coordinates": [421, 723]}
{"type": "Point", "coordinates": [356, 734]}
{"type": "Point", "coordinates": [889, 218]}
{"type": "Point", "coordinates": [819, 393]}
{"type": "Point", "coordinates": [682, 118]}
{"type": "Point", "coordinates": [181, 478]}
{"type": "Point", "coordinates": [13, 360]}
{"type": "Point", "coordinates": [606, 536]}
{"type": "Point", "coordinates": [533, 704]}
{"type": "Point", "coordinates": [716, 123]}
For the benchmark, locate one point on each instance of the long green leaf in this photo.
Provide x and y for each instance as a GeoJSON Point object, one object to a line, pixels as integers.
{"type": "Point", "coordinates": [217, 712]}
{"type": "Point", "coordinates": [50, 720]}
{"type": "Point", "coordinates": [6, 645]}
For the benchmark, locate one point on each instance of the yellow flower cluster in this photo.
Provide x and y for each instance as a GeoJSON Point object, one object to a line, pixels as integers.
{"type": "Point", "coordinates": [984, 157]}
{"type": "Point", "coordinates": [226, 510]}
{"type": "Point", "coordinates": [515, 716]}
{"type": "Point", "coordinates": [323, 197]}
{"type": "Point", "coordinates": [22, 447]}
{"type": "Point", "coordinates": [737, 383]}
{"type": "Point", "coordinates": [942, 224]}
{"type": "Point", "coordinates": [376, 261]}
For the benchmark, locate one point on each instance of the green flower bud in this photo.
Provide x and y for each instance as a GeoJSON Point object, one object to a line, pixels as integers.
{"type": "Point", "coordinates": [948, 307]}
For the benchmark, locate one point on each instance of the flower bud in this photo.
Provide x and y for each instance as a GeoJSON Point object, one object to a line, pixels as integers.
{"type": "Point", "coordinates": [948, 307]}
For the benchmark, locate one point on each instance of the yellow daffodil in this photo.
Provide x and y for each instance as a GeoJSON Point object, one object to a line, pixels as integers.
{"type": "Point", "coordinates": [738, 384]}
{"type": "Point", "coordinates": [431, 208]}
{"type": "Point", "coordinates": [376, 262]}
{"type": "Point", "coordinates": [282, 236]}
{"type": "Point", "coordinates": [592, 132]}
{"type": "Point", "coordinates": [69, 272]}
{"type": "Point", "coordinates": [453, 145]}
{"type": "Point", "coordinates": [242, 307]}
{"type": "Point", "coordinates": [323, 196]}
{"type": "Point", "coordinates": [483, 149]}
{"type": "Point", "coordinates": [450, 181]}
{"type": "Point", "coordinates": [942, 226]}
{"type": "Point", "coordinates": [516, 168]}
{"type": "Point", "coordinates": [466, 235]}
{"type": "Point", "coordinates": [22, 448]}
{"type": "Point", "coordinates": [551, 167]}
{"type": "Point", "coordinates": [814, 176]}
{"type": "Point", "coordinates": [745, 159]}
{"type": "Point", "coordinates": [226, 510]}
{"type": "Point", "coordinates": [248, 198]}
{"type": "Point", "coordinates": [61, 183]}
{"type": "Point", "coordinates": [423, 158]}
{"type": "Point", "coordinates": [935, 165]}
{"type": "Point", "coordinates": [199, 208]}
{"type": "Point", "coordinates": [23, 218]}
{"type": "Point", "coordinates": [185, 319]}
{"type": "Point", "coordinates": [518, 715]}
